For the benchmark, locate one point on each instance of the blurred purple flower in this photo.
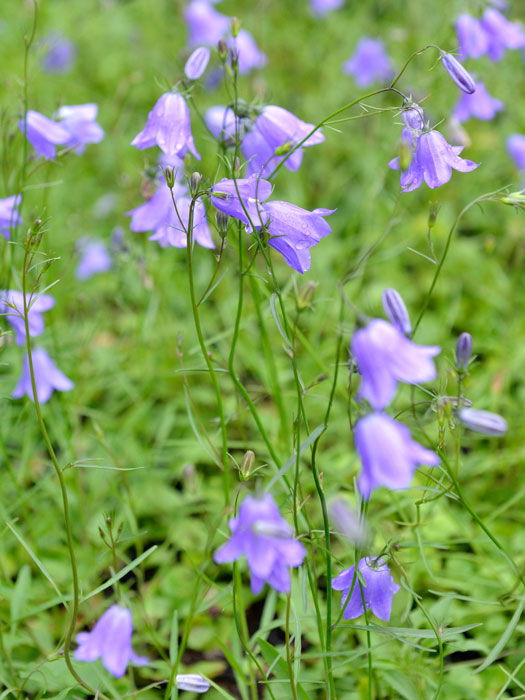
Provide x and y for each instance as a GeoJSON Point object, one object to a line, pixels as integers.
{"type": "Point", "coordinates": [432, 162]}
{"type": "Point", "coordinates": [249, 54]}
{"type": "Point", "coordinates": [221, 122]}
{"type": "Point", "coordinates": [168, 126]}
{"type": "Point", "coordinates": [501, 34]}
{"type": "Point", "coordinates": [369, 63]}
{"type": "Point", "coordinates": [47, 378]}
{"type": "Point", "coordinates": [94, 259]}
{"type": "Point", "coordinates": [349, 523]}
{"type": "Point", "coordinates": [80, 122]}
{"type": "Point", "coordinates": [264, 537]}
{"type": "Point", "coordinates": [9, 216]}
{"type": "Point", "coordinates": [110, 639]}
{"type": "Point", "coordinates": [12, 305]}
{"type": "Point", "coordinates": [205, 24]}
{"type": "Point", "coordinates": [388, 454]}
{"type": "Point", "coordinates": [277, 130]}
{"type": "Point", "coordinates": [483, 422]}
{"type": "Point", "coordinates": [516, 148]}
{"type": "Point", "coordinates": [378, 591]}
{"type": "Point", "coordinates": [320, 8]}
{"type": "Point", "coordinates": [294, 231]}
{"type": "Point", "coordinates": [60, 55]}
{"type": "Point", "coordinates": [384, 356]}
{"type": "Point", "coordinates": [479, 105]}
{"type": "Point", "coordinates": [458, 73]}
{"type": "Point", "coordinates": [192, 682]}
{"type": "Point", "coordinates": [473, 39]}
{"type": "Point", "coordinates": [44, 134]}
{"type": "Point", "coordinates": [197, 63]}
{"type": "Point", "coordinates": [252, 193]}
{"type": "Point", "coordinates": [396, 311]}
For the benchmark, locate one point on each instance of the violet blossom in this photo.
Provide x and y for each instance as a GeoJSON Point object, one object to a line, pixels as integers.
{"type": "Point", "coordinates": [260, 533]}
{"type": "Point", "coordinates": [110, 639]}
{"type": "Point", "coordinates": [320, 8]}
{"type": "Point", "coordinates": [94, 258]}
{"type": "Point", "coordinates": [44, 134]}
{"type": "Point", "coordinates": [388, 454]}
{"type": "Point", "coordinates": [384, 356]}
{"type": "Point", "coordinates": [197, 63]}
{"type": "Point", "coordinates": [205, 24]}
{"type": "Point", "coordinates": [473, 39]}
{"type": "Point", "coordinates": [378, 591]}
{"type": "Point", "coordinates": [249, 56]}
{"type": "Point", "coordinates": [168, 126]}
{"type": "Point", "coordinates": [242, 199]}
{"type": "Point", "coordinates": [220, 120]}
{"type": "Point", "coordinates": [369, 63]}
{"type": "Point", "coordinates": [47, 378]}
{"type": "Point", "coordinates": [60, 54]}
{"type": "Point", "coordinates": [12, 305]}
{"type": "Point", "coordinates": [480, 105]}
{"type": "Point", "coordinates": [501, 33]}
{"type": "Point", "coordinates": [80, 122]}
{"type": "Point", "coordinates": [9, 215]}
{"type": "Point", "coordinates": [516, 149]}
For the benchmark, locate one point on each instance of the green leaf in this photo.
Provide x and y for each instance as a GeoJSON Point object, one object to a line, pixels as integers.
{"type": "Point", "coordinates": [278, 666]}
{"type": "Point", "coordinates": [401, 684]}
{"type": "Point", "coordinates": [503, 639]}
{"type": "Point", "coordinates": [20, 594]}
{"type": "Point", "coordinates": [132, 565]}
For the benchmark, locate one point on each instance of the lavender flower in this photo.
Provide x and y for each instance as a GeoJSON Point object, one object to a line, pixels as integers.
{"type": "Point", "coordinates": [369, 63]}
{"type": "Point", "coordinates": [459, 75]}
{"type": "Point", "coordinates": [95, 258]}
{"type": "Point", "coordinates": [197, 63]}
{"type": "Point", "coordinates": [396, 311]}
{"type": "Point", "coordinates": [432, 162]}
{"type": "Point", "coordinates": [9, 216]}
{"type": "Point", "coordinates": [252, 193]}
{"type": "Point", "coordinates": [264, 537]}
{"type": "Point", "coordinates": [501, 34]}
{"type": "Point", "coordinates": [60, 55]}
{"type": "Point", "coordinates": [205, 24]}
{"type": "Point", "coordinates": [44, 134]}
{"type": "Point", "coordinates": [378, 591]}
{"type": "Point", "coordinates": [80, 122]}
{"type": "Point", "coordinates": [294, 231]}
{"type": "Point", "coordinates": [110, 639]}
{"type": "Point", "coordinates": [12, 305]}
{"type": "Point", "coordinates": [249, 55]}
{"type": "Point", "coordinates": [192, 682]}
{"type": "Point", "coordinates": [483, 422]}
{"type": "Point", "coordinates": [168, 126]}
{"type": "Point", "coordinates": [473, 39]}
{"type": "Point", "coordinates": [47, 378]}
{"type": "Point", "coordinates": [220, 120]}
{"type": "Point", "coordinates": [384, 356]}
{"type": "Point", "coordinates": [479, 105]}
{"type": "Point", "coordinates": [516, 148]}
{"type": "Point", "coordinates": [388, 454]}
{"type": "Point", "coordinates": [320, 8]}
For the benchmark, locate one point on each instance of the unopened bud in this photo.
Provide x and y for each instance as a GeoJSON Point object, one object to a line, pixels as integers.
{"type": "Point", "coordinates": [483, 422]}
{"type": "Point", "coordinates": [463, 351]}
{"type": "Point", "coordinates": [222, 223]}
{"type": "Point", "coordinates": [247, 464]}
{"type": "Point", "coordinates": [284, 148]}
{"type": "Point", "coordinates": [222, 48]}
{"type": "Point", "coordinates": [234, 59]}
{"type": "Point", "coordinates": [169, 174]}
{"type": "Point", "coordinates": [195, 181]}
{"type": "Point", "coordinates": [515, 199]}
{"type": "Point", "coordinates": [396, 311]}
{"type": "Point", "coordinates": [236, 27]}
{"type": "Point", "coordinates": [34, 233]}
{"type": "Point", "coordinates": [405, 154]}
{"type": "Point", "coordinates": [306, 296]}
{"type": "Point", "coordinates": [412, 116]}
{"type": "Point", "coordinates": [458, 73]}
{"type": "Point", "coordinates": [433, 212]}
{"type": "Point", "coordinates": [192, 682]}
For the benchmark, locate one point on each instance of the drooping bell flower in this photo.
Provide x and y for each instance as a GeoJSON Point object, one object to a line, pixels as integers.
{"type": "Point", "coordinates": [12, 305]}
{"type": "Point", "coordinates": [220, 120]}
{"type": "Point", "coordinates": [9, 215]}
{"type": "Point", "coordinates": [249, 56]}
{"type": "Point", "coordinates": [501, 33]}
{"type": "Point", "coordinates": [44, 134]}
{"type": "Point", "coordinates": [48, 378]}
{"type": "Point", "coordinates": [205, 25]}
{"type": "Point", "coordinates": [369, 63]}
{"type": "Point", "coordinates": [378, 591]}
{"type": "Point", "coordinates": [473, 39]}
{"type": "Point", "coordinates": [480, 105]}
{"type": "Point", "coordinates": [94, 258]}
{"type": "Point", "coordinates": [80, 122]}
{"type": "Point", "coordinates": [60, 54]}
{"type": "Point", "coordinates": [243, 199]}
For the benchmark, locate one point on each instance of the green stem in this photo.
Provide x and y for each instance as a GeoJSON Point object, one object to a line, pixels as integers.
{"type": "Point", "coordinates": [288, 648]}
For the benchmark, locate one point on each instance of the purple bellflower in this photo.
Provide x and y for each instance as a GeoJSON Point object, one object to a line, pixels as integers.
{"type": "Point", "coordinates": [294, 231]}
{"type": "Point", "coordinates": [94, 259]}
{"type": "Point", "coordinates": [432, 162]}
{"type": "Point", "coordinates": [378, 591]}
{"type": "Point", "coordinates": [252, 192]}
{"type": "Point", "coordinates": [9, 216]}
{"type": "Point", "coordinates": [458, 73]}
{"type": "Point", "coordinates": [220, 120]}
{"type": "Point", "coordinates": [192, 682]}
{"type": "Point", "coordinates": [479, 105]}
{"type": "Point", "coordinates": [369, 63]}
{"type": "Point", "coordinates": [12, 305]}
{"type": "Point", "coordinates": [249, 55]}
{"type": "Point", "coordinates": [110, 639]}
{"type": "Point", "coordinates": [60, 55]}
{"type": "Point", "coordinates": [205, 24]}
{"type": "Point", "coordinates": [47, 378]}
{"type": "Point", "coordinates": [44, 134]}
{"type": "Point", "coordinates": [320, 8]}
{"type": "Point", "coordinates": [277, 129]}
{"type": "Point", "coordinates": [388, 454]}
{"type": "Point", "coordinates": [261, 534]}
{"type": "Point", "coordinates": [168, 126]}
{"type": "Point", "coordinates": [197, 63]}
{"type": "Point", "coordinates": [501, 33]}
{"type": "Point", "coordinates": [516, 148]}
{"type": "Point", "coordinates": [473, 39]}
{"type": "Point", "coordinates": [80, 122]}
{"type": "Point", "coordinates": [384, 356]}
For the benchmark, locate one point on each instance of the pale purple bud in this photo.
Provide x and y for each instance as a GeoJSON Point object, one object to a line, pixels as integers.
{"type": "Point", "coordinates": [396, 311]}
{"type": "Point", "coordinates": [458, 73]}
{"type": "Point", "coordinates": [192, 682]}
{"type": "Point", "coordinates": [197, 63]}
{"type": "Point", "coordinates": [463, 351]}
{"type": "Point", "coordinates": [483, 422]}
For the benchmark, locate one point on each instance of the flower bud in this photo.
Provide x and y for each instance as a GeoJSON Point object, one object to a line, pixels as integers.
{"type": "Point", "coordinates": [247, 464]}
{"type": "Point", "coordinates": [483, 422]}
{"type": "Point", "coordinates": [169, 174]}
{"type": "Point", "coordinates": [192, 682]}
{"type": "Point", "coordinates": [284, 148]}
{"type": "Point", "coordinates": [222, 223]}
{"type": "Point", "coordinates": [463, 351]}
{"type": "Point", "coordinates": [396, 311]}
{"type": "Point", "coordinates": [222, 48]}
{"type": "Point", "coordinates": [236, 27]}
{"type": "Point", "coordinates": [458, 73]}
{"type": "Point", "coordinates": [35, 233]}
{"type": "Point", "coordinates": [196, 63]}
{"type": "Point", "coordinates": [195, 181]}
{"type": "Point", "coordinates": [515, 199]}
{"type": "Point", "coordinates": [412, 117]}
{"type": "Point", "coordinates": [306, 296]}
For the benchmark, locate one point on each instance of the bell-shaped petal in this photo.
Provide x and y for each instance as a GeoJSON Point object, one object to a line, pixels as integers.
{"type": "Point", "coordinates": [94, 258]}
{"type": "Point", "coordinates": [47, 378]}
{"type": "Point", "coordinates": [12, 305]}
{"type": "Point", "coordinates": [473, 39]}
{"type": "Point", "coordinates": [378, 591]}
{"type": "Point", "coordinates": [369, 63]}
{"type": "Point", "coordinates": [9, 215]}
{"type": "Point", "coordinates": [243, 199]}
{"type": "Point", "coordinates": [205, 25]}
{"type": "Point", "coordinates": [197, 63]}
{"type": "Point", "coordinates": [44, 134]}
{"type": "Point", "coordinates": [80, 122]}
{"type": "Point", "coordinates": [502, 34]}
{"type": "Point", "coordinates": [480, 105]}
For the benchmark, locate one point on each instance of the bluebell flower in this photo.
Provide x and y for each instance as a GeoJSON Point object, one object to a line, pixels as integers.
{"type": "Point", "coordinates": [168, 126]}
{"type": "Point", "coordinates": [294, 231]}
{"type": "Point", "coordinates": [44, 134]}
{"type": "Point", "coordinates": [220, 120]}
{"type": "Point", "coordinates": [501, 33]}
{"type": "Point", "coordinates": [80, 122]}
{"type": "Point", "coordinates": [48, 378]}
{"type": "Point", "coordinates": [388, 454]}
{"type": "Point", "coordinates": [516, 148]}
{"type": "Point", "coordinates": [480, 105]}
{"type": "Point", "coordinates": [384, 356]}
{"type": "Point", "coordinates": [60, 55]}
{"type": "Point", "coordinates": [110, 639]}
{"type": "Point", "coordinates": [320, 8]}
{"type": "Point", "coordinates": [12, 305]}
{"type": "Point", "coordinates": [205, 24]}
{"type": "Point", "coordinates": [253, 192]}
{"type": "Point", "coordinates": [369, 63]}
{"type": "Point", "coordinates": [197, 63]}
{"type": "Point", "coordinates": [9, 215]}
{"type": "Point", "coordinates": [249, 55]}
{"type": "Point", "coordinates": [378, 591]}
{"type": "Point", "coordinates": [472, 38]}
{"type": "Point", "coordinates": [260, 533]}
{"type": "Point", "coordinates": [94, 258]}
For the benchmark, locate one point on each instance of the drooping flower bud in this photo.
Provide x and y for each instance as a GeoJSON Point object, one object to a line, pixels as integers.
{"type": "Point", "coordinates": [247, 464]}
{"type": "Point", "coordinates": [483, 422]}
{"type": "Point", "coordinates": [192, 682]}
{"type": "Point", "coordinates": [463, 351]}
{"type": "Point", "coordinates": [396, 311]}
{"type": "Point", "coordinates": [196, 63]}
{"type": "Point", "coordinates": [458, 73]}
{"type": "Point", "coordinates": [306, 296]}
